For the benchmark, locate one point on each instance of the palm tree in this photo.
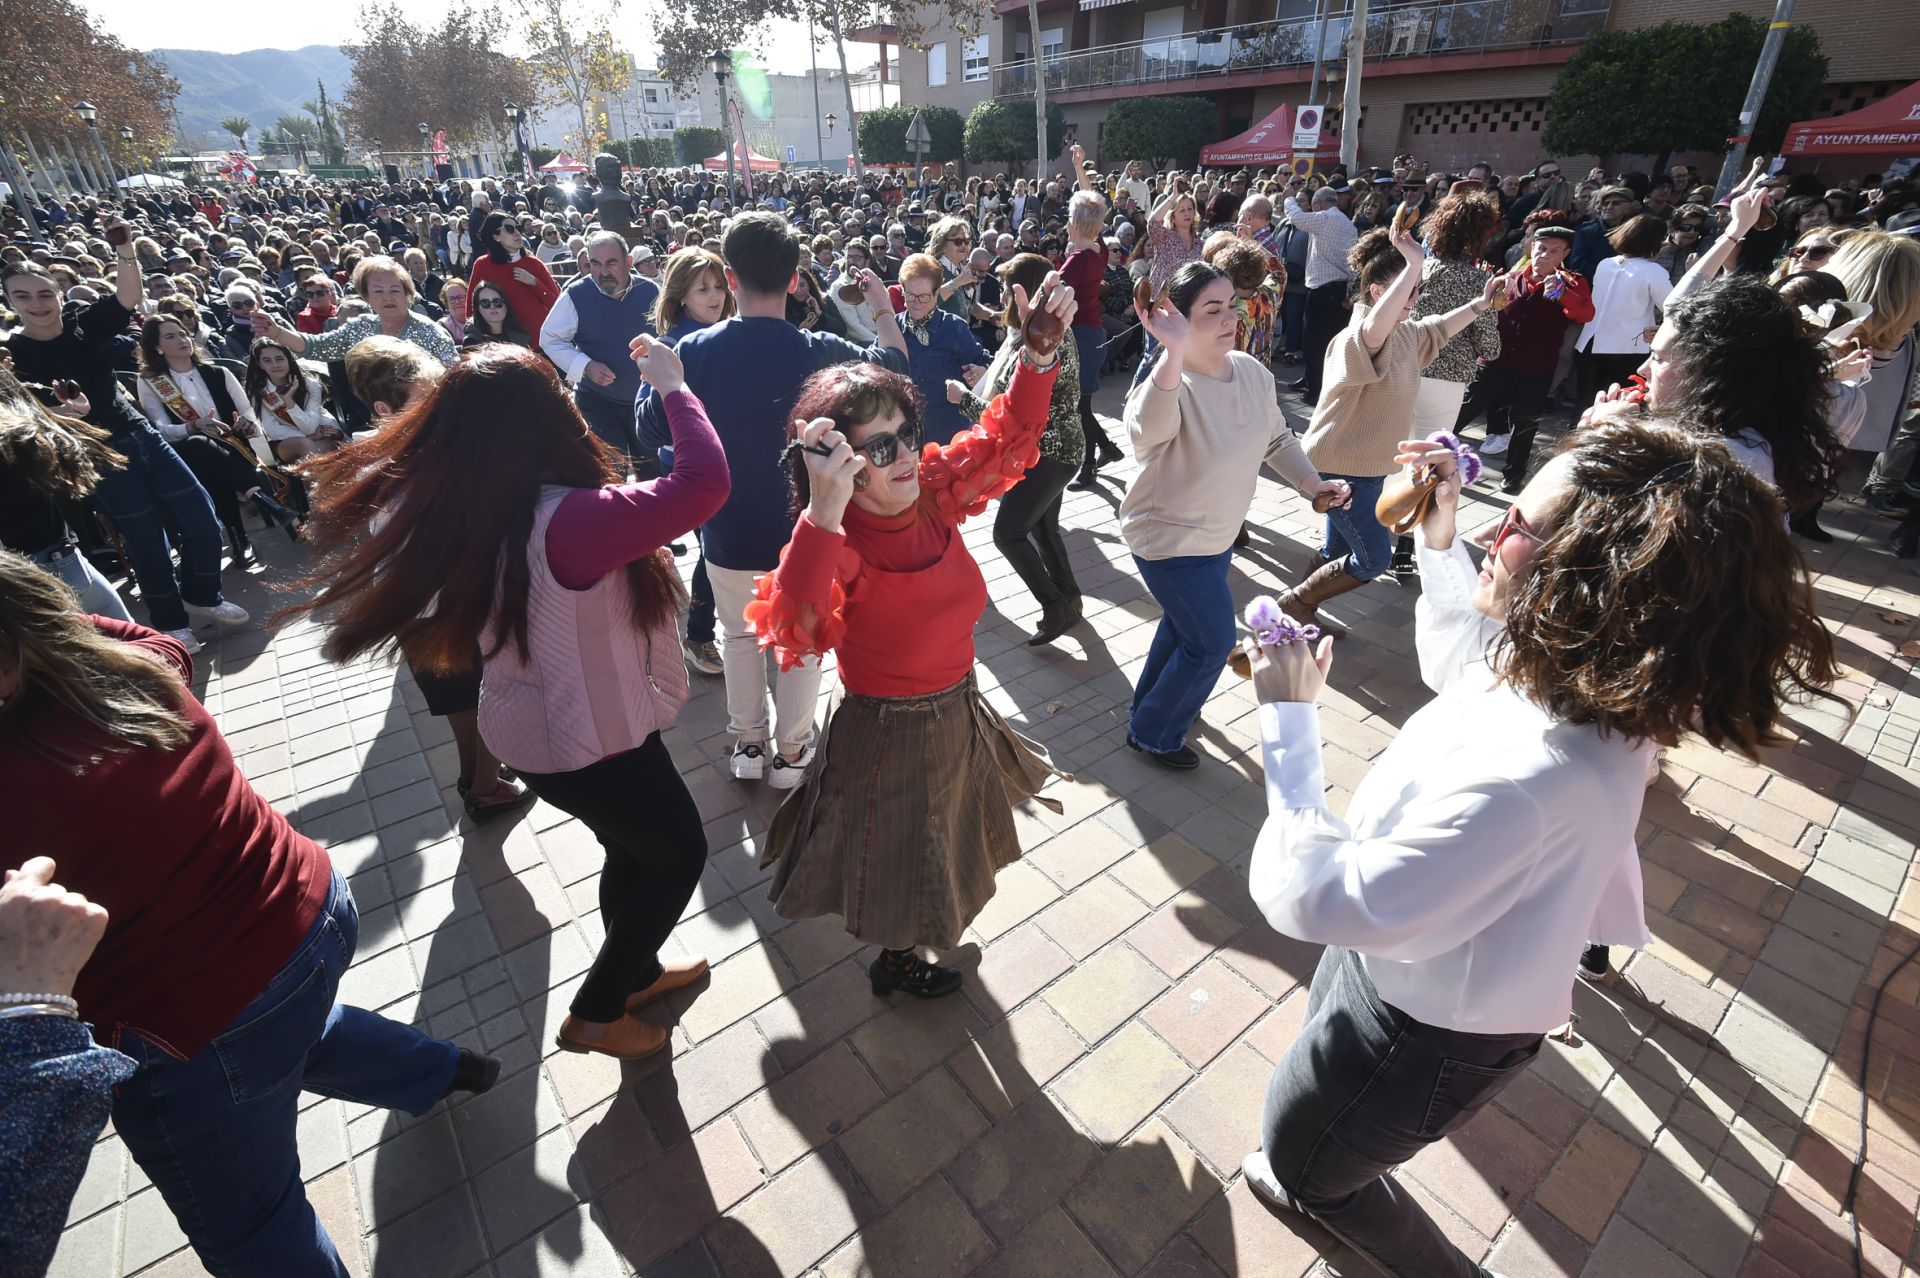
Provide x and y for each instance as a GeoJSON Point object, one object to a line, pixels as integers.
{"type": "Point", "coordinates": [238, 125]}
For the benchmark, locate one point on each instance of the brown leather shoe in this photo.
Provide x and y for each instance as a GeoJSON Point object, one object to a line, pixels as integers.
{"type": "Point", "coordinates": [626, 1039]}
{"type": "Point", "coordinates": [1302, 603]}
{"type": "Point", "coordinates": [675, 975]}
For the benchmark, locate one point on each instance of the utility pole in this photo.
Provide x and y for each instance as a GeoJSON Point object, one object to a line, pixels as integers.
{"type": "Point", "coordinates": [1039, 90]}
{"type": "Point", "coordinates": [1350, 110]}
{"type": "Point", "coordinates": [1756, 97]}
{"type": "Point", "coordinates": [1319, 42]}
{"type": "Point", "coordinates": [813, 60]}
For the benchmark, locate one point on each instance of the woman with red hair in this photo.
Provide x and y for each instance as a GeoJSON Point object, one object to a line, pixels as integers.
{"type": "Point", "coordinates": [896, 827]}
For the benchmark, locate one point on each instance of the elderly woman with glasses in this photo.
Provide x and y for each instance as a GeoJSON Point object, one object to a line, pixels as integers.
{"type": "Point", "coordinates": [940, 345]}
{"type": "Point", "coordinates": [904, 818]}
{"type": "Point", "coordinates": [950, 243]}
{"type": "Point", "coordinates": [388, 292]}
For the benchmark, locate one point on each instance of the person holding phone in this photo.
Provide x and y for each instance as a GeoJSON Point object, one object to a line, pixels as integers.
{"type": "Point", "coordinates": [905, 817]}
{"type": "Point", "coordinates": [1495, 836]}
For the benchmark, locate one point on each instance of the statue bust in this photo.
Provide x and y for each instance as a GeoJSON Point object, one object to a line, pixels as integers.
{"type": "Point", "coordinates": [610, 203]}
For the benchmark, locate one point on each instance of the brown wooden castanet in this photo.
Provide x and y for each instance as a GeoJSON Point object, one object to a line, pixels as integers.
{"type": "Point", "coordinates": [1043, 330]}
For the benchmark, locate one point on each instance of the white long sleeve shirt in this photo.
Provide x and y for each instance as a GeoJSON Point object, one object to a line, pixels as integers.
{"type": "Point", "coordinates": [1487, 846]}
{"type": "Point", "coordinates": [1330, 234]}
{"type": "Point", "coordinates": [557, 332]}
{"type": "Point", "coordinates": [1627, 295]}
{"type": "Point", "coordinates": [193, 389]}
{"type": "Point", "coordinates": [857, 316]}
{"type": "Point", "coordinates": [306, 419]}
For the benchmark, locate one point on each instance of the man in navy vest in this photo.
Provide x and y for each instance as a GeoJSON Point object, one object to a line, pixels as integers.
{"type": "Point", "coordinates": [587, 333]}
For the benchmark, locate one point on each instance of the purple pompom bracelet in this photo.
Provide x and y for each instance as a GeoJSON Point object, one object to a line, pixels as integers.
{"type": "Point", "coordinates": [1467, 460]}
{"type": "Point", "coordinates": [1271, 626]}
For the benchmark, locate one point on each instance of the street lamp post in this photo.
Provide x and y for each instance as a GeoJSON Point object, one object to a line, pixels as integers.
{"type": "Point", "coordinates": [722, 64]}
{"type": "Point", "coordinates": [379, 161]}
{"type": "Point", "coordinates": [426, 149]}
{"type": "Point", "coordinates": [90, 117]}
{"type": "Point", "coordinates": [516, 116]}
{"type": "Point", "coordinates": [126, 149]}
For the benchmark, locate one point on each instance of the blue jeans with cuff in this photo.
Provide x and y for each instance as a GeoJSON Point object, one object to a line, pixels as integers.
{"type": "Point", "coordinates": [153, 487]}
{"type": "Point", "coordinates": [1354, 529]}
{"type": "Point", "coordinates": [215, 1133]}
{"type": "Point", "coordinates": [1189, 649]}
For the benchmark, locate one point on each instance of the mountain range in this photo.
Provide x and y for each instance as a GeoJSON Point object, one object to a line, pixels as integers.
{"type": "Point", "coordinates": [261, 84]}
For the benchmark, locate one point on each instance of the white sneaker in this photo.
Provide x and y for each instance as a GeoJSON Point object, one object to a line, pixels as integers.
{"type": "Point", "coordinates": [1494, 445]}
{"type": "Point", "coordinates": [1260, 1179]}
{"type": "Point", "coordinates": [188, 639]}
{"type": "Point", "coordinates": [749, 760]}
{"type": "Point", "coordinates": [225, 612]}
{"type": "Point", "coordinates": [786, 773]}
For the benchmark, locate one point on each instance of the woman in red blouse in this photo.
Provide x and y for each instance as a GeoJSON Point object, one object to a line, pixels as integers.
{"type": "Point", "coordinates": [523, 277]}
{"type": "Point", "coordinates": [889, 830]}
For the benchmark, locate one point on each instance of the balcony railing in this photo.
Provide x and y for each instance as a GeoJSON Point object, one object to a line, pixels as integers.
{"type": "Point", "coordinates": [1417, 30]}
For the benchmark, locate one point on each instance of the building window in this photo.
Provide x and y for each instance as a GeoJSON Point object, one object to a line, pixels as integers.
{"type": "Point", "coordinates": [937, 64]}
{"type": "Point", "coordinates": [973, 55]}
{"type": "Point", "coordinates": [1052, 41]}
{"type": "Point", "coordinates": [653, 95]}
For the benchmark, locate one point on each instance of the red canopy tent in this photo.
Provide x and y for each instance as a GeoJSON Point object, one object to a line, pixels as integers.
{"type": "Point", "coordinates": [563, 163]}
{"type": "Point", "coordinates": [742, 157]}
{"type": "Point", "coordinates": [1890, 126]}
{"type": "Point", "coordinates": [1269, 142]}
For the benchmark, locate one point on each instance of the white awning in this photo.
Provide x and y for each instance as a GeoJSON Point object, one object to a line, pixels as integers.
{"type": "Point", "coordinates": [1099, 4]}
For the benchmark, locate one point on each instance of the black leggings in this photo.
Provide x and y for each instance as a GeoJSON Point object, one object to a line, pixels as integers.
{"type": "Point", "coordinates": [1090, 427]}
{"type": "Point", "coordinates": [224, 473]}
{"type": "Point", "coordinates": [642, 813]}
{"type": "Point", "coordinates": [1027, 531]}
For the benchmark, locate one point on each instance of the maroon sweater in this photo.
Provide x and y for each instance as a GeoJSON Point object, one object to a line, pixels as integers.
{"type": "Point", "coordinates": [207, 888]}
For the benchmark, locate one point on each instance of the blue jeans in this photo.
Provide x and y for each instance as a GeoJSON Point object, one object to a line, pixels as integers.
{"type": "Point", "coordinates": [1293, 320]}
{"type": "Point", "coordinates": [216, 1132]}
{"type": "Point", "coordinates": [97, 595]}
{"type": "Point", "coordinates": [1354, 530]}
{"type": "Point", "coordinates": [1091, 344]}
{"type": "Point", "coordinates": [609, 418]}
{"type": "Point", "coordinates": [1189, 649]}
{"type": "Point", "coordinates": [153, 487]}
{"type": "Point", "coordinates": [700, 616]}
{"type": "Point", "coordinates": [1148, 350]}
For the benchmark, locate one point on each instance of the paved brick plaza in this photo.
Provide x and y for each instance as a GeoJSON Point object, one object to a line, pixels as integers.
{"type": "Point", "coordinates": [1083, 1107]}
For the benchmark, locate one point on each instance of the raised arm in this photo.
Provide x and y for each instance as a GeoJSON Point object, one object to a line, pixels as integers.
{"type": "Point", "coordinates": [1152, 414]}
{"type": "Point", "coordinates": [1384, 315]}
{"type": "Point", "coordinates": [1719, 256]}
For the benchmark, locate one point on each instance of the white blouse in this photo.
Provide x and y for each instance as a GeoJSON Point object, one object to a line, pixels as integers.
{"type": "Point", "coordinates": [1627, 295]}
{"type": "Point", "coordinates": [193, 389]}
{"type": "Point", "coordinates": [306, 420]}
{"type": "Point", "coordinates": [1486, 847]}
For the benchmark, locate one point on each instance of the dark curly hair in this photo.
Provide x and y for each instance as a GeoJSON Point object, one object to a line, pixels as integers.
{"type": "Point", "coordinates": [1461, 225]}
{"type": "Point", "coordinates": [1668, 598]}
{"type": "Point", "coordinates": [1373, 260]}
{"type": "Point", "coordinates": [1747, 365]}
{"type": "Point", "coordinates": [850, 395]}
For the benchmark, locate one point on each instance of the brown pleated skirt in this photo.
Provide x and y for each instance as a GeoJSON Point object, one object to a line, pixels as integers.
{"type": "Point", "coordinates": [905, 816]}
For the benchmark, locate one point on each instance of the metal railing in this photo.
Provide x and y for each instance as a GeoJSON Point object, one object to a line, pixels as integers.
{"type": "Point", "coordinates": [1415, 30]}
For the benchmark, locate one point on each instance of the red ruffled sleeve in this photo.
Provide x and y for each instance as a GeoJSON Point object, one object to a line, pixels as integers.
{"type": "Point", "coordinates": [987, 459]}
{"type": "Point", "coordinates": [817, 569]}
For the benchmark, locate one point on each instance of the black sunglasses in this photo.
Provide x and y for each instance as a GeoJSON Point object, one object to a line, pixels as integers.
{"type": "Point", "coordinates": [490, 303]}
{"type": "Point", "coordinates": [881, 450]}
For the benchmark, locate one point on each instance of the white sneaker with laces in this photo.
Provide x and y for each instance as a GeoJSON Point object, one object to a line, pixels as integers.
{"type": "Point", "coordinates": [1494, 445]}
{"type": "Point", "coordinates": [225, 612]}
{"type": "Point", "coordinates": [188, 640]}
{"type": "Point", "coordinates": [749, 761]}
{"type": "Point", "coordinates": [786, 773]}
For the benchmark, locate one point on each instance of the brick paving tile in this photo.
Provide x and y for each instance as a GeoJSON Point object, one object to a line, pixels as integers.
{"type": "Point", "coordinates": [1078, 1109]}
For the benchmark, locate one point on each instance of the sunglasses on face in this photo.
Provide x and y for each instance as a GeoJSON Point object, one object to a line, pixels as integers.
{"type": "Point", "coordinates": [491, 304]}
{"type": "Point", "coordinates": [1688, 228]}
{"type": "Point", "coordinates": [880, 451]}
{"type": "Point", "coordinates": [1813, 252]}
{"type": "Point", "coordinates": [1512, 524]}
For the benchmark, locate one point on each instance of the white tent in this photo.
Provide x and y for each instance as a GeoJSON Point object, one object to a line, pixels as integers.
{"type": "Point", "coordinates": [149, 180]}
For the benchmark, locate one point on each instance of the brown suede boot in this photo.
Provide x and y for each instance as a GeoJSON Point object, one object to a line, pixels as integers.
{"type": "Point", "coordinates": [1303, 601]}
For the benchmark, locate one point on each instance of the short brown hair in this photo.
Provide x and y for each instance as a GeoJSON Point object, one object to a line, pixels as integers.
{"type": "Point", "coordinates": [386, 370]}
{"type": "Point", "coordinates": [1641, 235]}
{"type": "Point", "coordinates": [1241, 261]}
{"type": "Point", "coordinates": [1461, 225]}
{"type": "Point", "coordinates": [381, 264]}
{"type": "Point", "coordinates": [1635, 619]}
{"type": "Point", "coordinates": [920, 266]}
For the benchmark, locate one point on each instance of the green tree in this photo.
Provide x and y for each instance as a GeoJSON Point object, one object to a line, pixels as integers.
{"type": "Point", "coordinates": [695, 142]}
{"type": "Point", "coordinates": [883, 135]}
{"type": "Point", "coordinates": [1678, 87]}
{"type": "Point", "coordinates": [660, 153]}
{"type": "Point", "coordinates": [238, 125]}
{"type": "Point", "coordinates": [577, 61]}
{"type": "Point", "coordinates": [1004, 130]}
{"type": "Point", "coordinates": [404, 74]}
{"type": "Point", "coordinates": [1162, 131]}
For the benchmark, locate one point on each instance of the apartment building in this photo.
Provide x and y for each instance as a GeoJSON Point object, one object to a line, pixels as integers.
{"type": "Point", "coordinates": [1450, 81]}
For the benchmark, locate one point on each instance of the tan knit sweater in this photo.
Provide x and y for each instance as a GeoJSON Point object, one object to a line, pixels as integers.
{"type": "Point", "coordinates": [1200, 449]}
{"type": "Point", "coordinates": [1366, 400]}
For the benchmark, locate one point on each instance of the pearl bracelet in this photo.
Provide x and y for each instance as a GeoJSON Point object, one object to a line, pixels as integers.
{"type": "Point", "coordinates": [37, 1009]}
{"type": "Point", "coordinates": [60, 1000]}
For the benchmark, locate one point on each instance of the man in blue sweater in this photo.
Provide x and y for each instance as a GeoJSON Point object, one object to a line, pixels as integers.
{"type": "Point", "coordinates": [588, 331]}
{"type": "Point", "coordinates": [748, 371]}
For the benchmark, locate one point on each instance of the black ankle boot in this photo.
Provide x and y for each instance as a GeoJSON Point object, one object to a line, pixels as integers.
{"type": "Point", "coordinates": [1084, 480]}
{"type": "Point", "coordinates": [1807, 524]}
{"type": "Point", "coordinates": [273, 512]}
{"type": "Point", "coordinates": [1056, 619]}
{"type": "Point", "coordinates": [907, 972]}
{"type": "Point", "coordinates": [1110, 453]}
{"type": "Point", "coordinates": [1906, 540]}
{"type": "Point", "coordinates": [239, 547]}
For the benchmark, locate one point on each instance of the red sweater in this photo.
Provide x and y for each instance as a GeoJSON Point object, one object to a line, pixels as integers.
{"type": "Point", "coordinates": [897, 597]}
{"type": "Point", "coordinates": [527, 303]}
{"type": "Point", "coordinates": [207, 888]}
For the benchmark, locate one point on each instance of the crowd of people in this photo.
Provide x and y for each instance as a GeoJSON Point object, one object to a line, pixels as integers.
{"type": "Point", "coordinates": [496, 411]}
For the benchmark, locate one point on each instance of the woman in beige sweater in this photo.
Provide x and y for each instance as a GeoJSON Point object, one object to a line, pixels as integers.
{"type": "Point", "coordinates": [1202, 423]}
{"type": "Point", "coordinates": [1366, 407]}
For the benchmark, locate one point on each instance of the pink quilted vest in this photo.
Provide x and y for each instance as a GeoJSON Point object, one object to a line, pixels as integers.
{"type": "Point", "coordinates": [595, 685]}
